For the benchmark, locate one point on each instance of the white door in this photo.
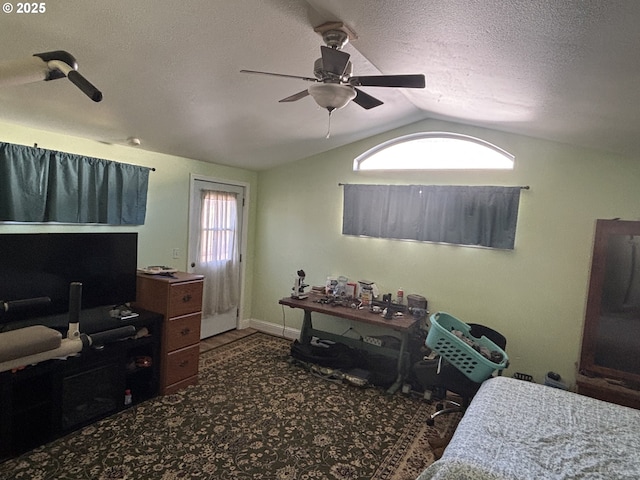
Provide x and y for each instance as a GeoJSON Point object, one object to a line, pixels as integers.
{"type": "Point", "coordinates": [215, 234]}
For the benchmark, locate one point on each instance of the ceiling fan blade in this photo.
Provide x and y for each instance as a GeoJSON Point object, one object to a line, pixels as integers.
{"type": "Point", "coordinates": [365, 100]}
{"type": "Point", "coordinates": [295, 96]}
{"type": "Point", "coordinates": [334, 61]}
{"type": "Point", "coordinates": [308, 79]}
{"type": "Point", "coordinates": [401, 81]}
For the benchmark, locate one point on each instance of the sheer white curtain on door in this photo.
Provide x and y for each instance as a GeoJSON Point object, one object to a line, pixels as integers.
{"type": "Point", "coordinates": [218, 252]}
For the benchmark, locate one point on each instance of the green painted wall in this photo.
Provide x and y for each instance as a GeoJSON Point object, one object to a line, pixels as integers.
{"type": "Point", "coordinates": [167, 219]}
{"type": "Point", "coordinates": [535, 295]}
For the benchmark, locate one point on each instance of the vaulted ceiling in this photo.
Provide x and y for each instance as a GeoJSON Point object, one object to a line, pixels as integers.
{"type": "Point", "coordinates": [170, 72]}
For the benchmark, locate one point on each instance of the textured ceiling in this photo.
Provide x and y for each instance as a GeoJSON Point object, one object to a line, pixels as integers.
{"type": "Point", "coordinates": [169, 71]}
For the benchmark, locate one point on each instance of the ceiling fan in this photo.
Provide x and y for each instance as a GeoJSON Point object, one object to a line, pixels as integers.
{"type": "Point", "coordinates": [47, 66]}
{"type": "Point", "coordinates": [333, 86]}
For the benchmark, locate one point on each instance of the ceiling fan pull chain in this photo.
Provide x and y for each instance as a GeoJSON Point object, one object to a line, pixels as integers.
{"type": "Point", "coordinates": [329, 126]}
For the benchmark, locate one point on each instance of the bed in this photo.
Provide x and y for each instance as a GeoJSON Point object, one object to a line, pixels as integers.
{"type": "Point", "coordinates": [520, 430]}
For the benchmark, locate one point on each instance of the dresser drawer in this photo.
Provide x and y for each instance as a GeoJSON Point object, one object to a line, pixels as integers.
{"type": "Point", "coordinates": [182, 331]}
{"type": "Point", "coordinates": [185, 298]}
{"type": "Point", "coordinates": [182, 364]}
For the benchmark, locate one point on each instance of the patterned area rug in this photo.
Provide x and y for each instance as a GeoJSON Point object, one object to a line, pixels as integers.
{"type": "Point", "coordinates": [253, 416]}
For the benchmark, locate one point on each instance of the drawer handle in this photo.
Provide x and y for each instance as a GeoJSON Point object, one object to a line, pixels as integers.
{"type": "Point", "coordinates": [186, 298]}
{"type": "Point", "coordinates": [184, 363]}
{"type": "Point", "coordinates": [185, 331]}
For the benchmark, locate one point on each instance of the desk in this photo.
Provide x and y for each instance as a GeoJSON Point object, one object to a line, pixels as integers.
{"type": "Point", "coordinates": [403, 325]}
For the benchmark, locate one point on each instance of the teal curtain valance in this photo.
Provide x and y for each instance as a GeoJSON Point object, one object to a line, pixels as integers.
{"type": "Point", "coordinates": [39, 185]}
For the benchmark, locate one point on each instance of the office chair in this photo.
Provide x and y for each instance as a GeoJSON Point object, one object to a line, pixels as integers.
{"type": "Point", "coordinates": [451, 379]}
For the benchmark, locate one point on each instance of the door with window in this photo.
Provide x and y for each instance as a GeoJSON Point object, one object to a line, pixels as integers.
{"type": "Point", "coordinates": [214, 251]}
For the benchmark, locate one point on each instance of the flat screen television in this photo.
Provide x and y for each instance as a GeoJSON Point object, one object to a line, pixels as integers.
{"type": "Point", "coordinates": [37, 266]}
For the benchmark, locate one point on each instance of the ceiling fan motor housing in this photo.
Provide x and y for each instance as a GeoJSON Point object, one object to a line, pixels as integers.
{"type": "Point", "coordinates": [321, 74]}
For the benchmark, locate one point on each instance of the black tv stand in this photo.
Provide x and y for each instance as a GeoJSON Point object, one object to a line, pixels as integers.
{"type": "Point", "coordinates": [52, 398]}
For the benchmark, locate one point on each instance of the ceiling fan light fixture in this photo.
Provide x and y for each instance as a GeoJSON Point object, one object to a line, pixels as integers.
{"type": "Point", "coordinates": [332, 96]}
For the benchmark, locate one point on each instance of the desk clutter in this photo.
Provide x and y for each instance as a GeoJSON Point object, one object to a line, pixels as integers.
{"type": "Point", "coordinates": [338, 362]}
{"type": "Point", "coordinates": [370, 359]}
{"type": "Point", "coordinates": [361, 295]}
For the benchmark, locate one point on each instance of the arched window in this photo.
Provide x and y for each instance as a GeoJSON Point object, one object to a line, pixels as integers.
{"type": "Point", "coordinates": [434, 151]}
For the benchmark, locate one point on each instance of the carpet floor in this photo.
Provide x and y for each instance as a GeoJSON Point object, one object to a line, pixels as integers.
{"type": "Point", "coordinates": [252, 416]}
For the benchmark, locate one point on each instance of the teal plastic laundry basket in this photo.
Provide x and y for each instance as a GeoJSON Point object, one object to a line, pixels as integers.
{"type": "Point", "coordinates": [463, 356]}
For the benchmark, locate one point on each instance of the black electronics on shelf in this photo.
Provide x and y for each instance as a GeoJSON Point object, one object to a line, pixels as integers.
{"type": "Point", "coordinates": [50, 399]}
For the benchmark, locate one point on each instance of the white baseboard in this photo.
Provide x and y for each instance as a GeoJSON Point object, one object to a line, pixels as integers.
{"type": "Point", "coordinates": [244, 323]}
{"type": "Point", "coordinates": [274, 329]}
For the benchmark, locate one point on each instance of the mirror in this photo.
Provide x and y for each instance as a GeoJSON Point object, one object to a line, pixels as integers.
{"type": "Point", "coordinates": [611, 338]}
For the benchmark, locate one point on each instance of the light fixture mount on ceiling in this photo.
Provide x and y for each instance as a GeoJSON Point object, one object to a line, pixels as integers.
{"type": "Point", "coordinates": [335, 34]}
{"type": "Point", "coordinates": [333, 27]}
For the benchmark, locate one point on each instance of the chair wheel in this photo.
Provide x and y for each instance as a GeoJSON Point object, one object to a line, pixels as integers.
{"type": "Point", "coordinates": [430, 422]}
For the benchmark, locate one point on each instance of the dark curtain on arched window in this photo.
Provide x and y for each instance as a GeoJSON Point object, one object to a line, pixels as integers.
{"type": "Point", "coordinates": [39, 185]}
{"type": "Point", "coordinates": [464, 215]}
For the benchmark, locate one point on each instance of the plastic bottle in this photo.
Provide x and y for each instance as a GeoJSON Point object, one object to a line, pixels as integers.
{"type": "Point", "coordinates": [366, 295]}
{"type": "Point", "coordinates": [400, 296]}
{"type": "Point", "coordinates": [127, 397]}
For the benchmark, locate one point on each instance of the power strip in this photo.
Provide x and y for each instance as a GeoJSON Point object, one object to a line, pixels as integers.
{"type": "Point", "coordinates": [372, 340]}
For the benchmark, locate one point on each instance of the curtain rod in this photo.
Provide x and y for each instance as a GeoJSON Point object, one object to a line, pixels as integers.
{"type": "Point", "coordinates": [522, 187]}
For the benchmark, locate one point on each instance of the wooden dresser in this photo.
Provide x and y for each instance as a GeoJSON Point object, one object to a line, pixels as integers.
{"type": "Point", "coordinates": [179, 299]}
{"type": "Point", "coordinates": [608, 390]}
